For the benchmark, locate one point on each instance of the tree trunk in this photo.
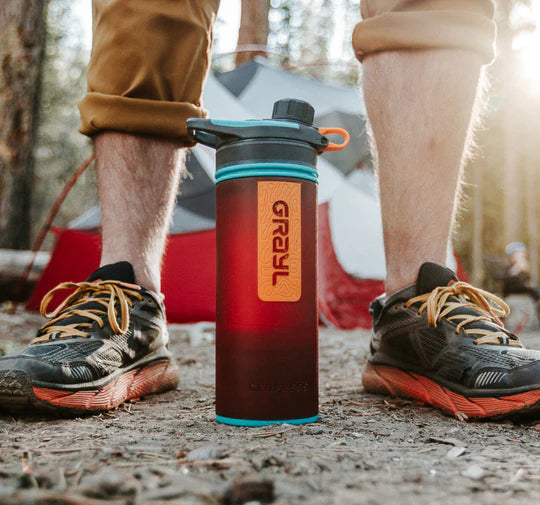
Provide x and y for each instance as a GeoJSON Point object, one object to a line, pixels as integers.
{"type": "Point", "coordinates": [512, 220]}
{"type": "Point", "coordinates": [532, 221]}
{"type": "Point", "coordinates": [253, 28]}
{"type": "Point", "coordinates": [22, 43]}
{"type": "Point", "coordinates": [477, 275]}
{"type": "Point", "coordinates": [513, 226]}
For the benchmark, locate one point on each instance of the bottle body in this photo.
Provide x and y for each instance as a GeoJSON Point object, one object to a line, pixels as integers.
{"type": "Point", "coordinates": [266, 321]}
{"type": "Point", "coordinates": [266, 299]}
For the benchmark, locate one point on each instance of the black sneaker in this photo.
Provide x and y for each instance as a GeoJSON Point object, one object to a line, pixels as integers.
{"type": "Point", "coordinates": [441, 342]}
{"type": "Point", "coordinates": [105, 344]}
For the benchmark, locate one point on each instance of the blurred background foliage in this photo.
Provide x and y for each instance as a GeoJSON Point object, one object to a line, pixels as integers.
{"type": "Point", "coordinates": [60, 148]}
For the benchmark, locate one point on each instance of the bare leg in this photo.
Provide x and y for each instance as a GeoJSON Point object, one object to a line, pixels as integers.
{"type": "Point", "coordinates": [420, 105]}
{"type": "Point", "coordinates": [137, 179]}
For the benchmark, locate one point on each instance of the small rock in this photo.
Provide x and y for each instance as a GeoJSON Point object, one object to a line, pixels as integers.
{"type": "Point", "coordinates": [517, 476]}
{"type": "Point", "coordinates": [200, 333]}
{"type": "Point", "coordinates": [455, 452]}
{"type": "Point", "coordinates": [205, 453]}
{"type": "Point", "coordinates": [313, 485]}
{"type": "Point", "coordinates": [474, 472]}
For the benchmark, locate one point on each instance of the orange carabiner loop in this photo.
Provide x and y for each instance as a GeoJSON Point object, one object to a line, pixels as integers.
{"type": "Point", "coordinates": [338, 131]}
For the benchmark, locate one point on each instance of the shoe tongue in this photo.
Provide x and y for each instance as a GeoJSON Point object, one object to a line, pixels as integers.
{"type": "Point", "coordinates": [121, 271]}
{"type": "Point", "coordinates": [431, 276]}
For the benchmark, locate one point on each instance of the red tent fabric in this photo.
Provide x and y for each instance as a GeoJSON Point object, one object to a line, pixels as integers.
{"type": "Point", "coordinates": [343, 299]}
{"type": "Point", "coordinates": [188, 278]}
{"type": "Point", "coordinates": [75, 256]}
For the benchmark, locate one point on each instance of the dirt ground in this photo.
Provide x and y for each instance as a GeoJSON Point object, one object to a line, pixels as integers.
{"type": "Point", "coordinates": [169, 450]}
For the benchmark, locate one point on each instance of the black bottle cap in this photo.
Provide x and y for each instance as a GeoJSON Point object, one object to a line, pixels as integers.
{"type": "Point", "coordinates": [294, 110]}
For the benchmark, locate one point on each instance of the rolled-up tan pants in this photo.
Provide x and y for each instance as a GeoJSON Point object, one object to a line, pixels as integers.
{"type": "Point", "coordinates": [150, 57]}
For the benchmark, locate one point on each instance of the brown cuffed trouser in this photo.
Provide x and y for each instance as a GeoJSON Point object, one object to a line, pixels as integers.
{"type": "Point", "coordinates": [150, 57]}
{"type": "Point", "coordinates": [148, 65]}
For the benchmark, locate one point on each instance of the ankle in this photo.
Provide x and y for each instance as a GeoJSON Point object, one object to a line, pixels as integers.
{"type": "Point", "coordinates": [403, 272]}
{"type": "Point", "coordinates": [146, 275]}
{"type": "Point", "coordinates": [147, 279]}
{"type": "Point", "coordinates": [395, 284]}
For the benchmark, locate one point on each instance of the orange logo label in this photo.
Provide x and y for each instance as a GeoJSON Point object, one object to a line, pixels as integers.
{"type": "Point", "coordinates": [279, 241]}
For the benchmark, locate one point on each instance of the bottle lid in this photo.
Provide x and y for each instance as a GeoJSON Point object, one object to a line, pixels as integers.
{"type": "Point", "coordinates": [294, 110]}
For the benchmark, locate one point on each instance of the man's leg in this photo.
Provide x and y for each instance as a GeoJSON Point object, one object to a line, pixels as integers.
{"type": "Point", "coordinates": [138, 180]}
{"type": "Point", "coordinates": [422, 61]}
{"type": "Point", "coordinates": [436, 339]}
{"type": "Point", "coordinates": [420, 106]}
{"type": "Point", "coordinates": [107, 342]}
{"type": "Point", "coordinates": [144, 81]}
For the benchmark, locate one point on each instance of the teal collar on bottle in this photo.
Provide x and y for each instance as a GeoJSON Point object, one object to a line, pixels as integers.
{"type": "Point", "coordinates": [267, 169]}
{"type": "Point", "coordinates": [251, 123]}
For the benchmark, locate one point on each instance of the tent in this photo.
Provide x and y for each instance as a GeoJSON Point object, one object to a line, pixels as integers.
{"type": "Point", "coordinates": [351, 255]}
{"type": "Point", "coordinates": [258, 84]}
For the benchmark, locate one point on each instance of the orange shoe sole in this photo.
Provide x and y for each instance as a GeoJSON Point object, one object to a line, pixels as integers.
{"type": "Point", "coordinates": [155, 377]}
{"type": "Point", "coordinates": [387, 380]}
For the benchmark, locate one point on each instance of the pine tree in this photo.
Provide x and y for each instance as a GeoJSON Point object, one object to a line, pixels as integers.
{"type": "Point", "coordinates": [60, 147]}
{"type": "Point", "coordinates": [22, 43]}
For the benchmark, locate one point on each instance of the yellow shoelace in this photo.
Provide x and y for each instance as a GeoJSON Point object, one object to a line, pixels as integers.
{"type": "Point", "coordinates": [489, 307]}
{"type": "Point", "coordinates": [87, 292]}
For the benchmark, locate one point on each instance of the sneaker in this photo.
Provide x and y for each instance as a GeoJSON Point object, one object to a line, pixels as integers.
{"type": "Point", "coordinates": [441, 342]}
{"type": "Point", "coordinates": [104, 344]}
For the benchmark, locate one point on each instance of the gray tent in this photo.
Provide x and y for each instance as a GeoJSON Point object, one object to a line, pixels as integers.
{"type": "Point", "coordinates": [257, 85]}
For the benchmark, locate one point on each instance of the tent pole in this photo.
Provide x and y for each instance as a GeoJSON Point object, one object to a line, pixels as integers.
{"type": "Point", "coordinates": [54, 211]}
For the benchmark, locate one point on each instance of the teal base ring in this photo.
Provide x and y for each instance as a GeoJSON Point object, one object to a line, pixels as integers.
{"type": "Point", "coordinates": [253, 423]}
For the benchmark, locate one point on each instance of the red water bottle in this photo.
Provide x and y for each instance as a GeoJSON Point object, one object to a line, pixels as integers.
{"type": "Point", "coordinates": [266, 224]}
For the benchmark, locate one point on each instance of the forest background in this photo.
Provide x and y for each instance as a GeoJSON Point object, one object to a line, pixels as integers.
{"type": "Point", "coordinates": [42, 77]}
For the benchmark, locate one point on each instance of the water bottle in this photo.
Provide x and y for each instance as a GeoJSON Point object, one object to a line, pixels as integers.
{"type": "Point", "coordinates": [266, 225]}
